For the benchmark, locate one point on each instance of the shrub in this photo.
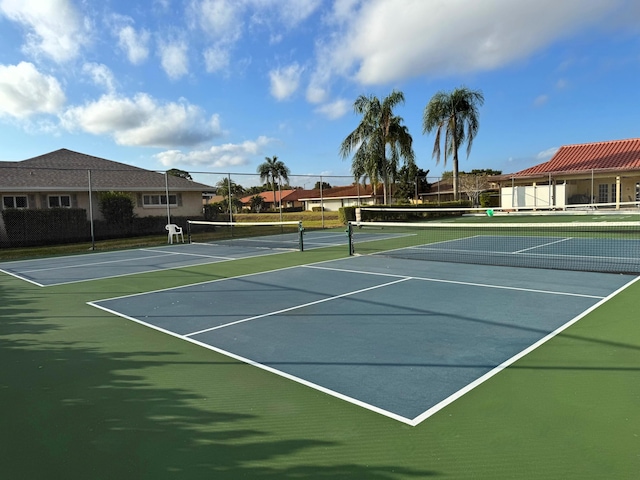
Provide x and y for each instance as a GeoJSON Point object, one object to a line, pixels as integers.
{"type": "Point", "coordinates": [30, 227]}
{"type": "Point", "coordinates": [347, 214]}
{"type": "Point", "coordinates": [116, 207]}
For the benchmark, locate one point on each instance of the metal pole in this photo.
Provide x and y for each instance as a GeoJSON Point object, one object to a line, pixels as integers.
{"type": "Point", "coordinates": [321, 203]}
{"type": "Point", "coordinates": [229, 196]}
{"type": "Point", "coordinates": [93, 238]}
{"type": "Point", "coordinates": [166, 191]}
{"type": "Point", "coordinates": [280, 199]}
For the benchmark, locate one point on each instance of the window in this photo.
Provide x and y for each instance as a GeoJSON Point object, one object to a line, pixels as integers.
{"type": "Point", "coordinates": [15, 201]}
{"type": "Point", "coordinates": [159, 200]}
{"type": "Point", "coordinates": [603, 193]}
{"type": "Point", "coordinates": [59, 201]}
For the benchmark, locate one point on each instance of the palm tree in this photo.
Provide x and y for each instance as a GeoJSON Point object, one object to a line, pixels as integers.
{"type": "Point", "coordinates": [273, 170]}
{"type": "Point", "coordinates": [379, 133]}
{"type": "Point", "coordinates": [231, 191]}
{"type": "Point", "coordinates": [456, 115]}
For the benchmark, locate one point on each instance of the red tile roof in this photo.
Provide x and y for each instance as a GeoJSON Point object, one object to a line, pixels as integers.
{"type": "Point", "coordinates": [348, 191]}
{"type": "Point", "coordinates": [613, 155]}
{"type": "Point", "coordinates": [268, 196]}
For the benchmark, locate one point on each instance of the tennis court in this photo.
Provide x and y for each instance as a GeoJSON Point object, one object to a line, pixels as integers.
{"type": "Point", "coordinates": [387, 335]}
{"type": "Point", "coordinates": [46, 272]}
{"type": "Point", "coordinates": [612, 247]}
{"type": "Point", "coordinates": [317, 364]}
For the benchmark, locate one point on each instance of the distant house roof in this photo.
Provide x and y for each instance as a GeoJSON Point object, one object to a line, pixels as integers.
{"type": "Point", "coordinates": [68, 170]}
{"type": "Point", "coordinates": [285, 195]}
{"type": "Point", "coordinates": [614, 155]}
{"type": "Point", "coordinates": [348, 191]}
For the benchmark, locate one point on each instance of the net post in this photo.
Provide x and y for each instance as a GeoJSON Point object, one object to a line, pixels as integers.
{"type": "Point", "coordinates": [301, 236]}
{"type": "Point", "coordinates": [350, 237]}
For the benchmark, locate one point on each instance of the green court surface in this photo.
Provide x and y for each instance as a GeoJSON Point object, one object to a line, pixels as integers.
{"type": "Point", "coordinates": [88, 394]}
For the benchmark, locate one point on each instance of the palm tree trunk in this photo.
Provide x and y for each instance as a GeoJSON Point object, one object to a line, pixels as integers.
{"type": "Point", "coordinates": [455, 159]}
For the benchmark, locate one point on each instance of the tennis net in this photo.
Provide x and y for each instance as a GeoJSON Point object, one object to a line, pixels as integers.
{"type": "Point", "coordinates": [271, 235]}
{"type": "Point", "coordinates": [585, 246]}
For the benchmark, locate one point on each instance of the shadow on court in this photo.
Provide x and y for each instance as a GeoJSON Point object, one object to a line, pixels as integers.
{"type": "Point", "coordinates": [89, 403]}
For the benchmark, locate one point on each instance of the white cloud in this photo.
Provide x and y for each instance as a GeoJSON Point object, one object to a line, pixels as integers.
{"type": "Point", "coordinates": [143, 121]}
{"type": "Point", "coordinates": [292, 12]}
{"type": "Point", "coordinates": [174, 59]}
{"type": "Point", "coordinates": [134, 44]}
{"type": "Point", "coordinates": [24, 91]}
{"type": "Point", "coordinates": [285, 81]}
{"type": "Point", "coordinates": [547, 154]}
{"type": "Point", "coordinates": [101, 75]}
{"type": "Point", "coordinates": [218, 19]}
{"type": "Point", "coordinates": [335, 109]}
{"type": "Point", "coordinates": [381, 41]}
{"type": "Point", "coordinates": [216, 59]}
{"type": "Point", "coordinates": [53, 27]}
{"type": "Point", "coordinates": [218, 156]}
{"type": "Point", "coordinates": [541, 100]}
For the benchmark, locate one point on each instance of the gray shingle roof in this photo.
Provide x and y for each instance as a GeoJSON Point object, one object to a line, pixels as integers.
{"type": "Point", "coordinates": [68, 170]}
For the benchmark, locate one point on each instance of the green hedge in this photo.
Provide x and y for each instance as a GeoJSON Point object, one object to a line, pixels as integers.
{"type": "Point", "coordinates": [30, 227]}
{"type": "Point", "coordinates": [38, 227]}
{"type": "Point", "coordinates": [415, 216]}
{"type": "Point", "coordinates": [347, 214]}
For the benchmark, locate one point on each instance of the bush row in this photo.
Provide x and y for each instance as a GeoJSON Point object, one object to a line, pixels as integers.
{"type": "Point", "coordinates": [36, 227]}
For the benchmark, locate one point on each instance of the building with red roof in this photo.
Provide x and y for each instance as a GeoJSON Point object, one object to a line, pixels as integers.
{"type": "Point", "coordinates": [604, 173]}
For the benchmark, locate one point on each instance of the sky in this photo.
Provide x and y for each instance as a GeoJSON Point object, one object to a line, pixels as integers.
{"type": "Point", "coordinates": [218, 85]}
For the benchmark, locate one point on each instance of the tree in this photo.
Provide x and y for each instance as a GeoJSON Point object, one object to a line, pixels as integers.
{"type": "Point", "coordinates": [411, 181]}
{"type": "Point", "coordinates": [257, 203]}
{"type": "Point", "coordinates": [379, 141]}
{"type": "Point", "coordinates": [473, 185]}
{"type": "Point", "coordinates": [324, 185]}
{"type": "Point", "coordinates": [231, 191]}
{"type": "Point", "coordinates": [273, 171]}
{"type": "Point", "coordinates": [176, 172]}
{"type": "Point", "coordinates": [455, 116]}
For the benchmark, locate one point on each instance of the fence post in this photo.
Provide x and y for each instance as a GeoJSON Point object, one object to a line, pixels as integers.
{"type": "Point", "coordinates": [93, 238]}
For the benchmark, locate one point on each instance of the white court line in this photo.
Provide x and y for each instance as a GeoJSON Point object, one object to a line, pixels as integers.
{"type": "Point", "coordinates": [408, 421]}
{"type": "Point", "coordinates": [92, 264]}
{"type": "Point", "coordinates": [543, 245]}
{"type": "Point", "coordinates": [411, 422]}
{"type": "Point", "coordinates": [213, 259]}
{"type": "Point", "coordinates": [439, 406]}
{"type": "Point", "coordinates": [22, 278]}
{"type": "Point", "coordinates": [458, 282]}
{"type": "Point", "coordinates": [267, 368]}
{"type": "Point", "coordinates": [427, 248]}
{"type": "Point", "coordinates": [189, 254]}
{"type": "Point", "coordinates": [296, 307]}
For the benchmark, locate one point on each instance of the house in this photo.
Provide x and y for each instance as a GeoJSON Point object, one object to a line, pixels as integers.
{"type": "Point", "coordinates": [332, 199]}
{"type": "Point", "coordinates": [603, 173]}
{"type": "Point", "coordinates": [440, 191]}
{"type": "Point", "coordinates": [67, 179]}
{"type": "Point", "coordinates": [289, 198]}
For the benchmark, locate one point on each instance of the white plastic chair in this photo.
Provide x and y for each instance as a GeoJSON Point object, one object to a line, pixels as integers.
{"type": "Point", "coordinates": [174, 230]}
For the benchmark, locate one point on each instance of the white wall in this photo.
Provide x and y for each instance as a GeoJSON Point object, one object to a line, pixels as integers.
{"type": "Point", "coordinates": [533, 196]}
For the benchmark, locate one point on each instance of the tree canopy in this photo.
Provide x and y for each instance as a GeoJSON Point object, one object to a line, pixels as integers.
{"type": "Point", "coordinates": [176, 172]}
{"type": "Point", "coordinates": [453, 115]}
{"type": "Point", "coordinates": [380, 141]}
{"type": "Point", "coordinates": [273, 171]}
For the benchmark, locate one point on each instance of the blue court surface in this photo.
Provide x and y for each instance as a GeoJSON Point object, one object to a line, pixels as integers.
{"type": "Point", "coordinates": [398, 337]}
{"type": "Point", "coordinates": [94, 266]}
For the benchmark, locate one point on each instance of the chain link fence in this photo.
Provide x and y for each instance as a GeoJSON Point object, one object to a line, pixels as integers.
{"type": "Point", "coordinates": [42, 206]}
